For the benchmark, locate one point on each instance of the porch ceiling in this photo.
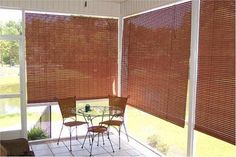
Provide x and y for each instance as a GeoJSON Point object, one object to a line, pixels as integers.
{"type": "Point", "coordinates": [115, 1]}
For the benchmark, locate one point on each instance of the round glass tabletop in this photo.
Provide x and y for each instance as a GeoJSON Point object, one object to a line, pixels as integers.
{"type": "Point", "coordinates": [94, 111]}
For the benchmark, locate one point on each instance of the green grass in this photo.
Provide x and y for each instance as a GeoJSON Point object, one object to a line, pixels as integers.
{"type": "Point", "coordinates": [9, 85]}
{"type": "Point", "coordinates": [148, 125]}
{"type": "Point", "coordinates": [9, 120]}
{"type": "Point", "coordinates": [13, 119]}
{"type": "Point", "coordinates": [140, 125]}
{"type": "Point", "coordinates": [208, 146]}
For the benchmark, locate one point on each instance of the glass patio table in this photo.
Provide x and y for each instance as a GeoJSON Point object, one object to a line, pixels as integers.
{"type": "Point", "coordinates": [90, 113]}
{"type": "Point", "coordinates": [98, 111]}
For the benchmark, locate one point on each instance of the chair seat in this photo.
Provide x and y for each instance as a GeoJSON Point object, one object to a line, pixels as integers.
{"type": "Point", "coordinates": [17, 147]}
{"type": "Point", "coordinates": [74, 123]}
{"type": "Point", "coordinates": [97, 129]}
{"type": "Point", "coordinates": [112, 122]}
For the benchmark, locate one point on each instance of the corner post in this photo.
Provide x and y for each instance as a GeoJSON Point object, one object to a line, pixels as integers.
{"type": "Point", "coordinates": [193, 73]}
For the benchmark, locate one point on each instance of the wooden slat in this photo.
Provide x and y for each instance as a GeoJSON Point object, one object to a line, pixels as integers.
{"type": "Point", "coordinates": [215, 109]}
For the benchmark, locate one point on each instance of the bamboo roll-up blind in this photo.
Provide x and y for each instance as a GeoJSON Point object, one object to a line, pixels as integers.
{"type": "Point", "coordinates": [70, 56]}
{"type": "Point", "coordinates": [156, 50]}
{"type": "Point", "coordinates": [215, 109]}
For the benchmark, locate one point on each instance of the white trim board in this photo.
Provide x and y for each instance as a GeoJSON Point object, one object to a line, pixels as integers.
{"type": "Point", "coordinates": [94, 7]}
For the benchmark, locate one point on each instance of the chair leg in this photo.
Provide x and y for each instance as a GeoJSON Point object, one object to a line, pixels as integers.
{"type": "Point", "coordinates": [103, 139]}
{"type": "Point", "coordinates": [126, 132]}
{"type": "Point", "coordinates": [89, 140]}
{"type": "Point", "coordinates": [76, 136]}
{"type": "Point", "coordinates": [91, 148]}
{"type": "Point", "coordinates": [108, 130]}
{"type": "Point", "coordinates": [85, 139]}
{"type": "Point", "coordinates": [59, 135]}
{"type": "Point", "coordinates": [110, 143]}
{"type": "Point", "coordinates": [70, 139]}
{"type": "Point", "coordinates": [98, 140]}
{"type": "Point", "coordinates": [119, 136]}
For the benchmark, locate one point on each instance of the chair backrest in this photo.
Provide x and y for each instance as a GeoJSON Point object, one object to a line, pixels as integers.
{"type": "Point", "coordinates": [66, 105]}
{"type": "Point", "coordinates": [3, 151]}
{"type": "Point", "coordinates": [118, 101]}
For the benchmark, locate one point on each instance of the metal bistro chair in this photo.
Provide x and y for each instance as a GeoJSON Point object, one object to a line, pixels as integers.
{"type": "Point", "coordinates": [95, 130]}
{"type": "Point", "coordinates": [117, 120]}
{"type": "Point", "coordinates": [66, 106]}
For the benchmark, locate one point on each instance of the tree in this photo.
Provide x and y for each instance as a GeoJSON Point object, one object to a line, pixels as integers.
{"type": "Point", "coordinates": [9, 50]}
{"type": "Point", "coordinates": [12, 28]}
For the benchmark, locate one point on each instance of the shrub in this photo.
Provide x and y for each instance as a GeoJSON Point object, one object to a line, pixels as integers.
{"type": "Point", "coordinates": [155, 142]}
{"type": "Point", "coordinates": [37, 133]}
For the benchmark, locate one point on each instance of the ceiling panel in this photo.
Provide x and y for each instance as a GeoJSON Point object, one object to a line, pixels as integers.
{"type": "Point", "coordinates": [115, 1]}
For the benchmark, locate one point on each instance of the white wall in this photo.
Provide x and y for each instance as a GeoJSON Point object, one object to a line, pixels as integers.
{"type": "Point", "coordinates": [94, 7]}
{"type": "Point", "coordinates": [136, 6]}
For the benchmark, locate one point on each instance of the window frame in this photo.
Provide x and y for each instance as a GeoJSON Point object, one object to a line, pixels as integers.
{"type": "Point", "coordinates": [22, 93]}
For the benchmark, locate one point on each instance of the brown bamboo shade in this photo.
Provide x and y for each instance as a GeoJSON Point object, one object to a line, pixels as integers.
{"type": "Point", "coordinates": [70, 56]}
{"type": "Point", "coordinates": [156, 50]}
{"type": "Point", "coordinates": [215, 110]}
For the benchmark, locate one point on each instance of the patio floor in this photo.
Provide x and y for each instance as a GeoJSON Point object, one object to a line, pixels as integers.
{"type": "Point", "coordinates": [131, 148]}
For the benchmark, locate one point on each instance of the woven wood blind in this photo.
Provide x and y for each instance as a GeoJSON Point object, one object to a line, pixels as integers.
{"type": "Point", "coordinates": [156, 50]}
{"type": "Point", "coordinates": [70, 56]}
{"type": "Point", "coordinates": [215, 110]}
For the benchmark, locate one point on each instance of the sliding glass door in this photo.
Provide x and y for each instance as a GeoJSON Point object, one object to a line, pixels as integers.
{"type": "Point", "coordinates": [11, 73]}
